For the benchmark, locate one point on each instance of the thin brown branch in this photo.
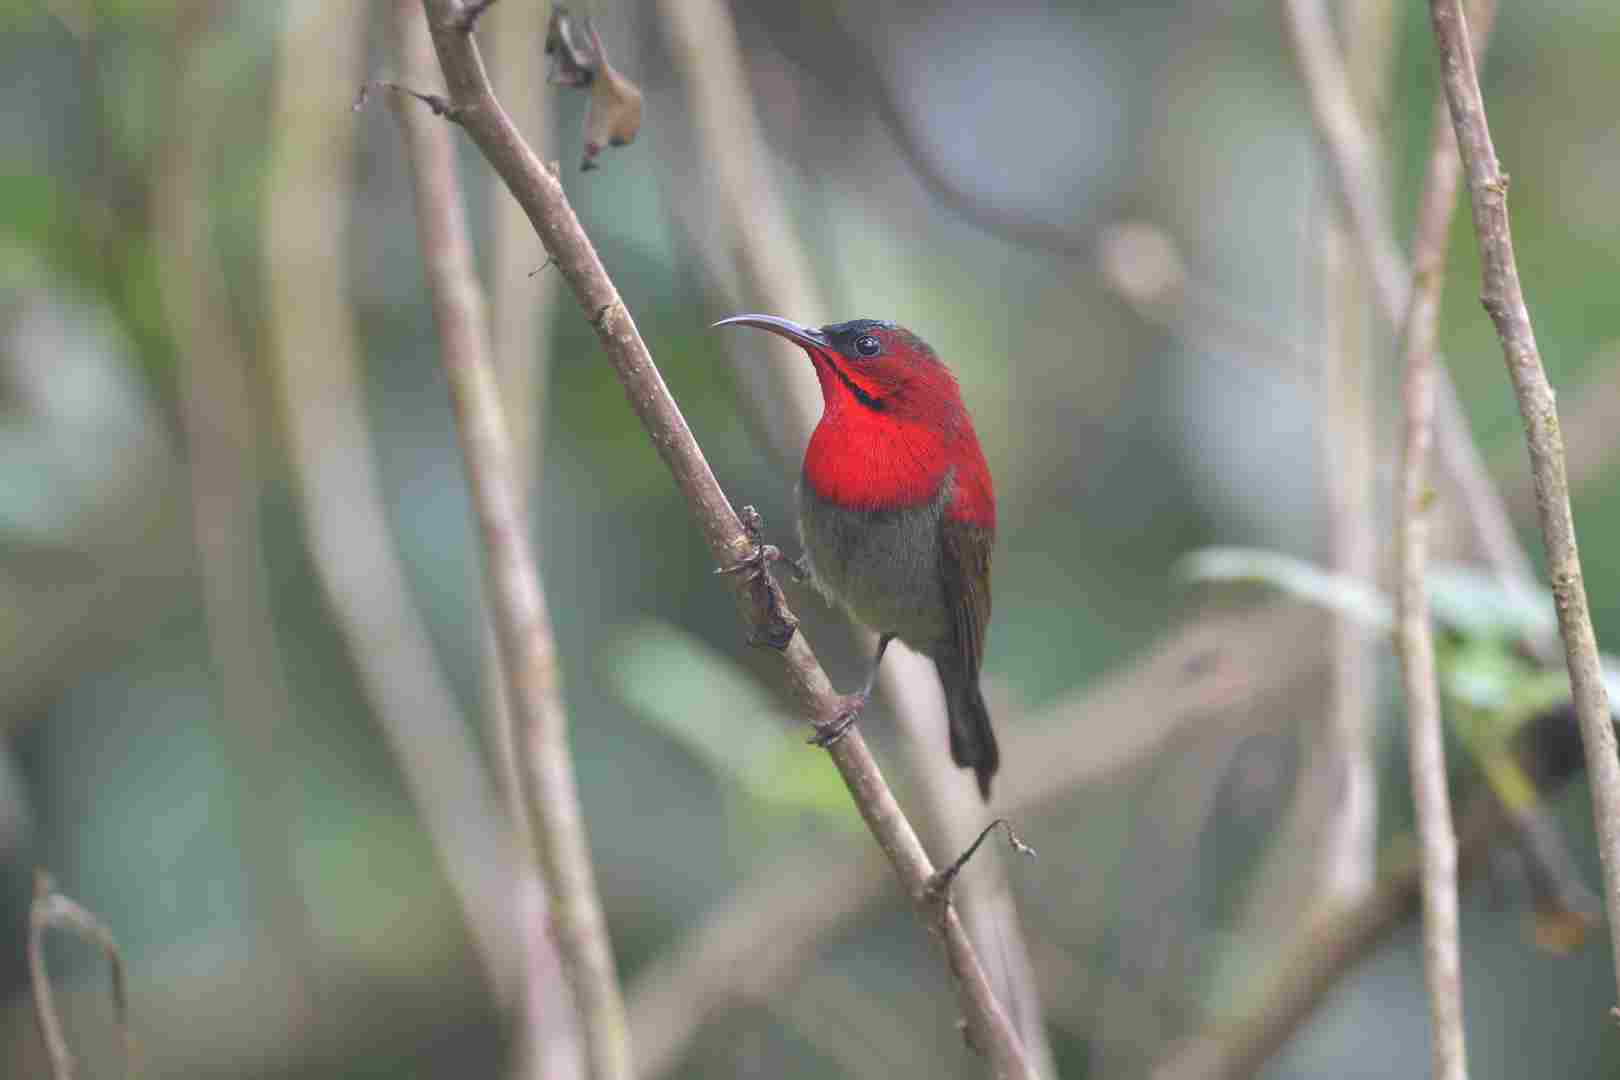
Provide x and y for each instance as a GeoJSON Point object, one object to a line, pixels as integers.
{"type": "Point", "coordinates": [513, 585]}
{"type": "Point", "coordinates": [1332, 829]}
{"type": "Point", "coordinates": [1351, 158]}
{"type": "Point", "coordinates": [1414, 634]}
{"type": "Point", "coordinates": [53, 911]}
{"type": "Point", "coordinates": [1345, 862]}
{"type": "Point", "coordinates": [546, 1043]}
{"type": "Point", "coordinates": [1320, 957]}
{"type": "Point", "coordinates": [542, 197]}
{"type": "Point", "coordinates": [760, 259]}
{"type": "Point", "coordinates": [1503, 298]}
{"type": "Point", "coordinates": [313, 354]}
{"type": "Point", "coordinates": [1217, 676]}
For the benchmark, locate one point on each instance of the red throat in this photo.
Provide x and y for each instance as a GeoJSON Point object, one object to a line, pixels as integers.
{"type": "Point", "coordinates": [880, 447]}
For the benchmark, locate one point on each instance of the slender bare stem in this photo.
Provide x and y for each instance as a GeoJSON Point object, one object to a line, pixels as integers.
{"type": "Point", "coordinates": [1351, 158]}
{"type": "Point", "coordinates": [1347, 862]}
{"type": "Point", "coordinates": [1338, 795]}
{"type": "Point", "coordinates": [546, 1043]}
{"type": "Point", "coordinates": [523, 628]}
{"type": "Point", "coordinates": [1503, 298]}
{"type": "Point", "coordinates": [1339, 792]}
{"type": "Point", "coordinates": [538, 190]}
{"type": "Point", "coordinates": [1414, 634]}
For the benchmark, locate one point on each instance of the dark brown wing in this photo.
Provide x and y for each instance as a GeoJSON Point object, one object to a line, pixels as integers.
{"type": "Point", "coordinates": [965, 570]}
{"type": "Point", "coordinates": [965, 574]}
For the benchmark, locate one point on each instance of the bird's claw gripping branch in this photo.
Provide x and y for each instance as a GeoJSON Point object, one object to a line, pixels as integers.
{"type": "Point", "coordinates": [777, 627]}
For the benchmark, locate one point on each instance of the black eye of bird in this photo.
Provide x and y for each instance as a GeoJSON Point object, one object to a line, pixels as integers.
{"type": "Point", "coordinates": [867, 345]}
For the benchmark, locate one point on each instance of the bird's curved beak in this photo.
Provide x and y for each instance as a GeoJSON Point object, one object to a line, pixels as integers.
{"type": "Point", "coordinates": [803, 335]}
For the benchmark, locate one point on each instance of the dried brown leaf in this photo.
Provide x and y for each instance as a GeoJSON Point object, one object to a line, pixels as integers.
{"type": "Point", "coordinates": [573, 57]}
{"type": "Point", "coordinates": [579, 61]}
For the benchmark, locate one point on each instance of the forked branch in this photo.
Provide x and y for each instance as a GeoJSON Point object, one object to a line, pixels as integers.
{"type": "Point", "coordinates": [539, 191]}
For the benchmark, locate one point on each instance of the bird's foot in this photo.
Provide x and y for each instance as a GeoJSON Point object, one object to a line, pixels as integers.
{"type": "Point", "coordinates": [760, 559]}
{"type": "Point", "coordinates": [764, 554]}
{"type": "Point", "coordinates": [756, 561]}
{"type": "Point", "coordinates": [849, 710]}
{"type": "Point", "coordinates": [773, 624]}
{"type": "Point", "coordinates": [939, 885]}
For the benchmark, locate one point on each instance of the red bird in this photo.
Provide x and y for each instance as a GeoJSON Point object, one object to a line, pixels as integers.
{"type": "Point", "coordinates": [897, 515]}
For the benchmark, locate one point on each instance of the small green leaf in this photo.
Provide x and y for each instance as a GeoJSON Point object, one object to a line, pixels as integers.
{"type": "Point", "coordinates": [1471, 601]}
{"type": "Point", "coordinates": [1296, 577]}
{"type": "Point", "coordinates": [723, 717]}
{"type": "Point", "coordinates": [1477, 603]}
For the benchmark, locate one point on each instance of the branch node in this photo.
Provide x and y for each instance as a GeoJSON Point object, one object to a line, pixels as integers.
{"type": "Point", "coordinates": [547, 206]}
{"type": "Point", "coordinates": [938, 886]}
{"type": "Point", "coordinates": [441, 106]}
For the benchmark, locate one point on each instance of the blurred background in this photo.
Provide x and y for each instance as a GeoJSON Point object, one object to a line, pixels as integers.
{"type": "Point", "coordinates": [244, 710]}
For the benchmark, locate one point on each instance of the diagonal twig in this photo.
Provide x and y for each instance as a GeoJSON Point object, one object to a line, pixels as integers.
{"type": "Point", "coordinates": [1503, 298]}
{"type": "Point", "coordinates": [947, 874]}
{"type": "Point", "coordinates": [540, 193]}
{"type": "Point", "coordinates": [1414, 634]}
{"type": "Point", "coordinates": [1350, 156]}
{"type": "Point", "coordinates": [513, 586]}
{"type": "Point", "coordinates": [546, 1032]}
{"type": "Point", "coordinates": [1328, 948]}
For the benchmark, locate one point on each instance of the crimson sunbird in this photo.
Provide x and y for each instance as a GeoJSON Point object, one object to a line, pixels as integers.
{"type": "Point", "coordinates": [897, 514]}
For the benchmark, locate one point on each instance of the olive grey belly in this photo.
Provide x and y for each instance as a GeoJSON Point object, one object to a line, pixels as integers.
{"type": "Point", "coordinates": [882, 565]}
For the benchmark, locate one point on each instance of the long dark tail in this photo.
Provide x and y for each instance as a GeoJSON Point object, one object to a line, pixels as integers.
{"type": "Point", "coordinates": [973, 744]}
